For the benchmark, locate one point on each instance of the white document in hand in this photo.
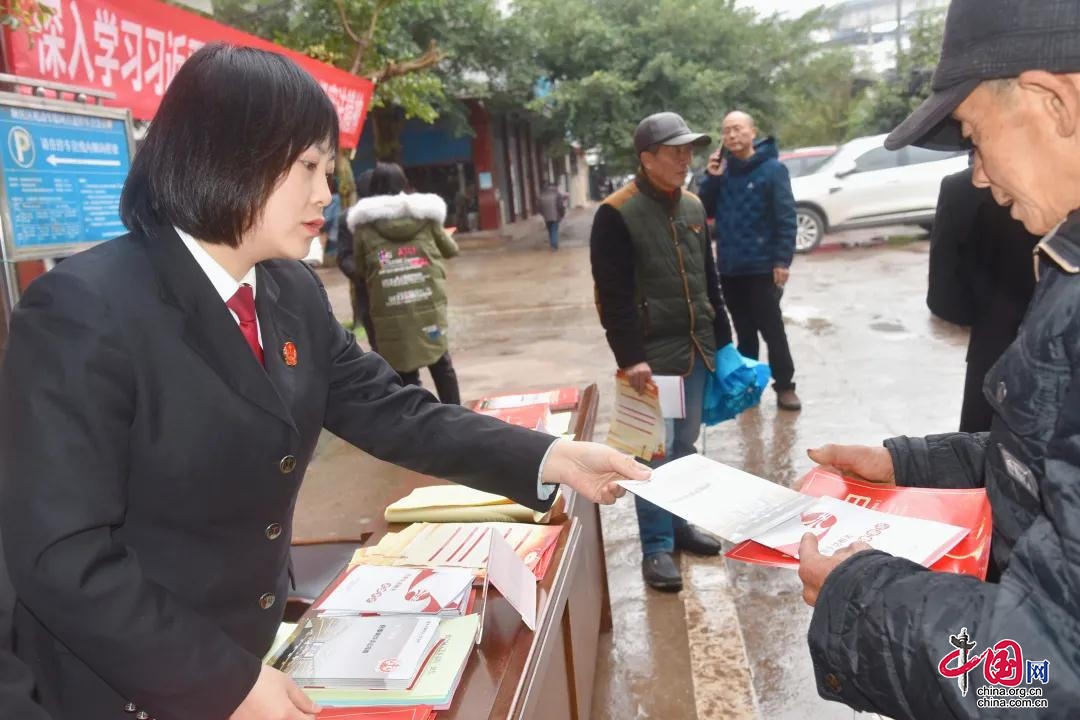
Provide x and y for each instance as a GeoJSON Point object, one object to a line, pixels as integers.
{"type": "Point", "coordinates": [838, 524]}
{"type": "Point", "coordinates": [672, 395]}
{"type": "Point", "coordinates": [512, 578]}
{"type": "Point", "coordinates": [723, 500]}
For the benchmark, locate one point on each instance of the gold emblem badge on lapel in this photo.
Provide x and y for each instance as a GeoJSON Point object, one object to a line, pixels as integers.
{"type": "Point", "coordinates": [288, 352]}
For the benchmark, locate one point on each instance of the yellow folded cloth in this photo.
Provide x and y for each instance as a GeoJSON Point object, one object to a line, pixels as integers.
{"type": "Point", "coordinates": [457, 503]}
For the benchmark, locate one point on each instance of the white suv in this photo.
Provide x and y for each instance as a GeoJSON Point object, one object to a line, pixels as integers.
{"type": "Point", "coordinates": [865, 185]}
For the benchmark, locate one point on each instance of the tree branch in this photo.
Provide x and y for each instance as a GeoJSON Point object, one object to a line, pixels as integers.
{"type": "Point", "coordinates": [362, 44]}
{"type": "Point", "coordinates": [432, 56]}
{"type": "Point", "coordinates": [345, 22]}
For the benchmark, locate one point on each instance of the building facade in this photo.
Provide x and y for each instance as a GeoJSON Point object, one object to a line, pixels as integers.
{"type": "Point", "coordinates": [875, 28]}
{"type": "Point", "coordinates": [490, 176]}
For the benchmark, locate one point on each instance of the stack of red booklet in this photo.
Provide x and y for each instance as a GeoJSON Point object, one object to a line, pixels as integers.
{"type": "Point", "coordinates": [533, 417]}
{"type": "Point", "coordinates": [558, 400]}
{"type": "Point", "coordinates": [533, 410]}
{"type": "Point", "coordinates": [418, 712]}
{"type": "Point", "coordinates": [967, 508]}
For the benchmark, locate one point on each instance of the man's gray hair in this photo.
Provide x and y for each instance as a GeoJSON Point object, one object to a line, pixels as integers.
{"type": "Point", "coordinates": [1002, 85]}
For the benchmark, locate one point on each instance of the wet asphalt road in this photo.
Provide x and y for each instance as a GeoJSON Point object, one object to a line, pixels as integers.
{"type": "Point", "coordinates": [870, 363]}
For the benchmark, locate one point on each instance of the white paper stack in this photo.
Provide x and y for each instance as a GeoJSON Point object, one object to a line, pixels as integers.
{"type": "Point", "coordinates": [374, 653]}
{"type": "Point", "coordinates": [436, 684]}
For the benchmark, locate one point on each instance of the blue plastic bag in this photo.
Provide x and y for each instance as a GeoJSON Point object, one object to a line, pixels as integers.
{"type": "Point", "coordinates": [735, 385]}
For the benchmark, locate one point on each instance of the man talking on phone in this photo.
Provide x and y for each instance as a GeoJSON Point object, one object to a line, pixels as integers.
{"type": "Point", "coordinates": [747, 191]}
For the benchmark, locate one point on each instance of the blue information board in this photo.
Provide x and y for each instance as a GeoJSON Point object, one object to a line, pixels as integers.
{"type": "Point", "coordinates": [63, 174]}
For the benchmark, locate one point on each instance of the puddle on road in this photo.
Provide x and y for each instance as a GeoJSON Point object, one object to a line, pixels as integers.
{"type": "Point", "coordinates": [888, 326]}
{"type": "Point", "coordinates": [807, 317]}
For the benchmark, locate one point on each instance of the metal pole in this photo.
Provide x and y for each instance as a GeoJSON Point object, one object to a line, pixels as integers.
{"type": "Point", "coordinates": [899, 19]}
{"type": "Point", "coordinates": [10, 297]}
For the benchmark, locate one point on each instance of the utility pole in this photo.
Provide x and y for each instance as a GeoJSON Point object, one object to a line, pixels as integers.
{"type": "Point", "coordinates": [899, 20]}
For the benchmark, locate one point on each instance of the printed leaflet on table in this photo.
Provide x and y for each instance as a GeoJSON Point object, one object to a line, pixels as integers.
{"type": "Point", "coordinates": [359, 652]}
{"type": "Point", "coordinates": [436, 684]}
{"type": "Point", "coordinates": [558, 400]}
{"type": "Point", "coordinates": [384, 590]}
{"type": "Point", "coordinates": [533, 417]}
{"type": "Point", "coordinates": [462, 545]}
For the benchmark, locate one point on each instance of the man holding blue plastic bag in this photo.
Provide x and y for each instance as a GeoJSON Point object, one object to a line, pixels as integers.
{"type": "Point", "coordinates": [659, 302]}
{"type": "Point", "coordinates": [735, 385]}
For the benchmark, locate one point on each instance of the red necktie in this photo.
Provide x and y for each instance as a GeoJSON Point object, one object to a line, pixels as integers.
{"type": "Point", "coordinates": [243, 304]}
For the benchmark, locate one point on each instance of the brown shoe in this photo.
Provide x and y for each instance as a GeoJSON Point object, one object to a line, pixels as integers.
{"type": "Point", "coordinates": [788, 400]}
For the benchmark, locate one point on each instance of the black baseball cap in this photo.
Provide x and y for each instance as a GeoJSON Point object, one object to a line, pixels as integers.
{"type": "Point", "coordinates": [989, 40]}
{"type": "Point", "coordinates": [666, 128]}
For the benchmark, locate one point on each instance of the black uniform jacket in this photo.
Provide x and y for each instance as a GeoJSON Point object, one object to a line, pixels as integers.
{"type": "Point", "coordinates": [16, 684]}
{"type": "Point", "coordinates": [150, 468]}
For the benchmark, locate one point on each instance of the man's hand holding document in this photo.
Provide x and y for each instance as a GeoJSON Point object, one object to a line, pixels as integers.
{"type": "Point", "coordinates": [738, 506]}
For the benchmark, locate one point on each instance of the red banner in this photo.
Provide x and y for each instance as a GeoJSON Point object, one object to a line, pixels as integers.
{"type": "Point", "coordinates": [133, 48]}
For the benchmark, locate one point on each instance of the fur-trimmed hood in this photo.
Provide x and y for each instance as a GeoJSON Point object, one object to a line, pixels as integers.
{"type": "Point", "coordinates": [418, 206]}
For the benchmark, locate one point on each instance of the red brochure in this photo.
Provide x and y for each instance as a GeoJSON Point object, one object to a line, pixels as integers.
{"type": "Point", "coordinates": [967, 508]}
{"type": "Point", "coordinates": [559, 400]}
{"type": "Point", "coordinates": [533, 417]}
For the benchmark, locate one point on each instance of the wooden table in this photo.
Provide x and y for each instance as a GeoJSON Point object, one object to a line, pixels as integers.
{"type": "Point", "coordinates": [549, 674]}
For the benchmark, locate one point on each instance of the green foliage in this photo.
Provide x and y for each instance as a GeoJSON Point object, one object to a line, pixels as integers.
{"type": "Point", "coordinates": [382, 34]}
{"type": "Point", "coordinates": [608, 63]}
{"type": "Point", "coordinates": [816, 97]}
{"type": "Point", "coordinates": [612, 62]}
{"type": "Point", "coordinates": [20, 15]}
{"type": "Point", "coordinates": [885, 105]}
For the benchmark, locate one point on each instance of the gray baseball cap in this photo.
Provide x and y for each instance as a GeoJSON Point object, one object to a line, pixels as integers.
{"type": "Point", "coordinates": [666, 128]}
{"type": "Point", "coordinates": [989, 40]}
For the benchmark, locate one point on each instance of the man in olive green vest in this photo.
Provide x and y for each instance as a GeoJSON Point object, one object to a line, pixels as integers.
{"type": "Point", "coordinates": [659, 301]}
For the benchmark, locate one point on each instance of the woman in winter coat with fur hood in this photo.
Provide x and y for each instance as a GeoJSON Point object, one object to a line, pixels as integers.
{"type": "Point", "coordinates": [399, 246]}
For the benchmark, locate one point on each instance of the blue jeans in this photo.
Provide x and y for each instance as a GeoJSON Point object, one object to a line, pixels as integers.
{"type": "Point", "coordinates": [553, 234]}
{"type": "Point", "coordinates": [656, 525]}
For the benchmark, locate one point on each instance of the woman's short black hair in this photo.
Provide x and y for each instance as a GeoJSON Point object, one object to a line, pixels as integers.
{"type": "Point", "coordinates": [232, 122]}
{"type": "Point", "coordinates": [387, 179]}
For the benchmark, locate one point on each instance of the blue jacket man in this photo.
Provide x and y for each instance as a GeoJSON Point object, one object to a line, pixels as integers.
{"type": "Point", "coordinates": [747, 191]}
{"type": "Point", "coordinates": [754, 212]}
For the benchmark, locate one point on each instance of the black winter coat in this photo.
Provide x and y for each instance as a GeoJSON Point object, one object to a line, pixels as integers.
{"type": "Point", "coordinates": [981, 274]}
{"type": "Point", "coordinates": [882, 624]}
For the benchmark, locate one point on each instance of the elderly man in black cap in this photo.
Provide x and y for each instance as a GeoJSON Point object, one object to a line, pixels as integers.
{"type": "Point", "coordinates": [888, 635]}
{"type": "Point", "coordinates": [659, 301]}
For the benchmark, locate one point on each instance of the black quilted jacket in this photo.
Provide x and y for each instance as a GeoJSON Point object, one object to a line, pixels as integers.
{"type": "Point", "coordinates": [882, 625]}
